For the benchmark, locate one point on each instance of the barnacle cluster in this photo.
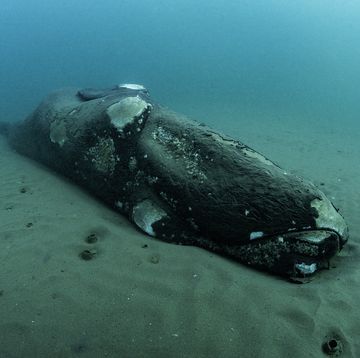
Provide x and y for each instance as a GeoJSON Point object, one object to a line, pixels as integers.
{"type": "Point", "coordinates": [182, 150]}
{"type": "Point", "coordinates": [103, 156]}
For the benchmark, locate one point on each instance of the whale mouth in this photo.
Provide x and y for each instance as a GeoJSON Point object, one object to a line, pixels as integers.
{"type": "Point", "coordinates": [296, 254]}
{"type": "Point", "coordinates": [312, 251]}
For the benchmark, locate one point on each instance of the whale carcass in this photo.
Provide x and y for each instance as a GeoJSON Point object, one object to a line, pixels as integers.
{"type": "Point", "coordinates": [182, 182]}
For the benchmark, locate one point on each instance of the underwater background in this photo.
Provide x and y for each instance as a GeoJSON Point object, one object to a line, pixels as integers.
{"type": "Point", "coordinates": [210, 58]}
{"type": "Point", "coordinates": [282, 76]}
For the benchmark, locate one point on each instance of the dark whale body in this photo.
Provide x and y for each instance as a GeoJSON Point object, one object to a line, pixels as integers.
{"type": "Point", "coordinates": [181, 181]}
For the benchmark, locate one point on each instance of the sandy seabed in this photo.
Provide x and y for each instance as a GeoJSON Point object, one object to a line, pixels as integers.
{"type": "Point", "coordinates": [140, 297]}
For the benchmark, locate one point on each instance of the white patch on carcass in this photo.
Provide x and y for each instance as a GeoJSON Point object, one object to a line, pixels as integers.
{"type": "Point", "coordinates": [145, 214]}
{"type": "Point", "coordinates": [256, 234]}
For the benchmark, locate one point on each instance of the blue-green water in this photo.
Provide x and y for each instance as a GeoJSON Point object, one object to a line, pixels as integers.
{"type": "Point", "coordinates": [214, 59]}
{"type": "Point", "coordinates": [280, 75]}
